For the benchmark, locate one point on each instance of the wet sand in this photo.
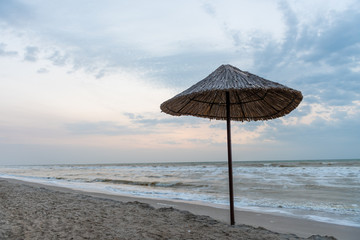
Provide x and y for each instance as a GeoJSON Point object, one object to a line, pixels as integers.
{"type": "Point", "coordinates": [35, 211]}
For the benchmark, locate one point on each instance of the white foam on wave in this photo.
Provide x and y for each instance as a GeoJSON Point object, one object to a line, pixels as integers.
{"type": "Point", "coordinates": [333, 220]}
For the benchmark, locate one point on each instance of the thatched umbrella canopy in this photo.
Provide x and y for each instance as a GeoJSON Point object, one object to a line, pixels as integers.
{"type": "Point", "coordinates": [231, 94]}
{"type": "Point", "coordinates": [252, 98]}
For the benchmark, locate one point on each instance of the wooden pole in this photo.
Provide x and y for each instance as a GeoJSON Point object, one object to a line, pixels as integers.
{"type": "Point", "coordinates": [231, 189]}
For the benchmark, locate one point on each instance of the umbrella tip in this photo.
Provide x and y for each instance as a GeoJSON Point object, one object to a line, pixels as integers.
{"type": "Point", "coordinates": [229, 67]}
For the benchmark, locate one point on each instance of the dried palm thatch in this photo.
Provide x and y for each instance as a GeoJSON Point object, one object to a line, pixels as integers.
{"type": "Point", "coordinates": [252, 98]}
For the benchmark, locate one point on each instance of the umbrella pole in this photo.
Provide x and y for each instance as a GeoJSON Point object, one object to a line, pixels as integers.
{"type": "Point", "coordinates": [231, 189]}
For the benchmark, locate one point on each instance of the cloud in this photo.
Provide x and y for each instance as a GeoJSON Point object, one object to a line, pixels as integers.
{"type": "Point", "coordinates": [322, 114]}
{"type": "Point", "coordinates": [14, 12]}
{"type": "Point", "coordinates": [31, 54]}
{"type": "Point", "coordinates": [182, 70]}
{"type": "Point", "coordinates": [59, 59]}
{"type": "Point", "coordinates": [218, 126]}
{"type": "Point", "coordinates": [164, 120]}
{"type": "Point", "coordinates": [165, 47]}
{"type": "Point", "coordinates": [101, 47]}
{"type": "Point", "coordinates": [209, 9]}
{"type": "Point", "coordinates": [315, 126]}
{"type": "Point", "coordinates": [317, 57]}
{"type": "Point", "coordinates": [337, 44]}
{"type": "Point", "coordinates": [42, 70]}
{"type": "Point", "coordinates": [4, 53]}
{"type": "Point", "coordinates": [322, 139]}
{"type": "Point", "coordinates": [201, 131]}
{"type": "Point", "coordinates": [103, 128]}
{"type": "Point", "coordinates": [101, 73]}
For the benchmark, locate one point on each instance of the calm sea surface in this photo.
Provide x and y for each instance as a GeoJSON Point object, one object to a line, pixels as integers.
{"type": "Point", "coordinates": [327, 191]}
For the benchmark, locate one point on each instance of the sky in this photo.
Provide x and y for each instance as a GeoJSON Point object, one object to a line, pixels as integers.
{"type": "Point", "coordinates": [82, 81]}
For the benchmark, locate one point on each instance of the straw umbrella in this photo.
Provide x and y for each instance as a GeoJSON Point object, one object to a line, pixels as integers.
{"type": "Point", "coordinates": [231, 94]}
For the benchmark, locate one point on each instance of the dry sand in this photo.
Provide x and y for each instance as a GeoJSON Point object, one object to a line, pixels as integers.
{"type": "Point", "coordinates": [34, 211]}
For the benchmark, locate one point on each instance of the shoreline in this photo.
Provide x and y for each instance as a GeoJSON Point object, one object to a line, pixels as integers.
{"type": "Point", "coordinates": [300, 214]}
{"type": "Point", "coordinates": [273, 222]}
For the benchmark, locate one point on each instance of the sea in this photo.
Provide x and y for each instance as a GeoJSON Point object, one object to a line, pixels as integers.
{"type": "Point", "coordinates": [326, 191]}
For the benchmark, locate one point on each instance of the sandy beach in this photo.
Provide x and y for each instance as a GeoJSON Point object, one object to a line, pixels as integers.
{"type": "Point", "coordinates": [35, 211]}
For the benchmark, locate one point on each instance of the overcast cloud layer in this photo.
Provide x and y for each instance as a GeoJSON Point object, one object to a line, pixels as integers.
{"type": "Point", "coordinates": [82, 81]}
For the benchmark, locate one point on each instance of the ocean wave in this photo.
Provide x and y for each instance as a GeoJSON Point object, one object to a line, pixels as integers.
{"type": "Point", "coordinates": [145, 183]}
